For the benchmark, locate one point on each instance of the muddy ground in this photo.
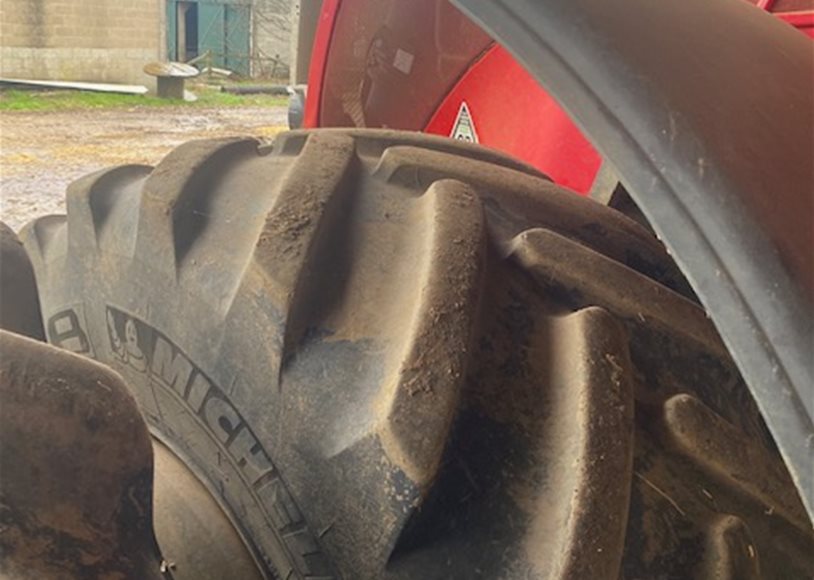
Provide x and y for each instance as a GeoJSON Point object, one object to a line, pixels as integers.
{"type": "Point", "coordinates": [42, 152]}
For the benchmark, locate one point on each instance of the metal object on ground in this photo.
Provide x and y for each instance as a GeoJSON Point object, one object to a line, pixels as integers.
{"type": "Point", "coordinates": [279, 90]}
{"type": "Point", "coordinates": [76, 85]}
{"type": "Point", "coordinates": [171, 77]}
{"type": "Point", "coordinates": [296, 105]}
{"type": "Point", "coordinates": [77, 469]}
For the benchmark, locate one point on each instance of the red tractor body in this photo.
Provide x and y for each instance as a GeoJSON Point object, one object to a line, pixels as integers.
{"type": "Point", "coordinates": [423, 66]}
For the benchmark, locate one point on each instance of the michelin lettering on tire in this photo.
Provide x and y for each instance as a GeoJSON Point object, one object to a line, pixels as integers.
{"type": "Point", "coordinates": [146, 350]}
{"type": "Point", "coordinates": [68, 329]}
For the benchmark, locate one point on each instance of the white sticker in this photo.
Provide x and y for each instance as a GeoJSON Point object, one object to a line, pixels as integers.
{"type": "Point", "coordinates": [464, 127]}
{"type": "Point", "coordinates": [403, 61]}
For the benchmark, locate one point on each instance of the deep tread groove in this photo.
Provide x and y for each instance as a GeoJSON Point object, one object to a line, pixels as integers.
{"type": "Point", "coordinates": [38, 237]}
{"type": "Point", "coordinates": [592, 278]}
{"type": "Point", "coordinates": [89, 201]}
{"type": "Point", "coordinates": [520, 201]}
{"type": "Point", "coordinates": [177, 194]}
{"type": "Point", "coordinates": [717, 447]}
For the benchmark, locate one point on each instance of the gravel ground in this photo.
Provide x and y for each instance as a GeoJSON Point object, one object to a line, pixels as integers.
{"type": "Point", "coordinates": [42, 152]}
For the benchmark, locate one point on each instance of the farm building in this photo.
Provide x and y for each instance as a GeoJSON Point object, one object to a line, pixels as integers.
{"type": "Point", "coordinates": [112, 40]}
{"type": "Point", "coordinates": [251, 37]}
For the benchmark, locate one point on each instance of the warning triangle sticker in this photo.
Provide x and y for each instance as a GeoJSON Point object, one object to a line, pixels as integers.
{"type": "Point", "coordinates": [464, 127]}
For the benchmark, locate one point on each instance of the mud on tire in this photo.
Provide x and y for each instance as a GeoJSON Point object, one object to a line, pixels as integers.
{"type": "Point", "coordinates": [396, 356]}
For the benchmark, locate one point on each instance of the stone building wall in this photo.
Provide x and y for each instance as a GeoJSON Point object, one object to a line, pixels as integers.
{"type": "Point", "coordinates": [271, 37]}
{"type": "Point", "coordinates": [81, 40]}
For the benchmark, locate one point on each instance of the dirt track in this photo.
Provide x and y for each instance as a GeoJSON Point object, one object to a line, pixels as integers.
{"type": "Point", "coordinates": [41, 153]}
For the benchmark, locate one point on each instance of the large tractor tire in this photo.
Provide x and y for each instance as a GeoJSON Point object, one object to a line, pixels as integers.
{"type": "Point", "coordinates": [396, 356]}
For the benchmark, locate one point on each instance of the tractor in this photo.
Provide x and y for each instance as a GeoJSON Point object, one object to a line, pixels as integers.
{"type": "Point", "coordinates": [530, 297]}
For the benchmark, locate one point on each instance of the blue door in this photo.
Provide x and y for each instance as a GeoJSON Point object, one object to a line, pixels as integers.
{"type": "Point", "coordinates": [237, 24]}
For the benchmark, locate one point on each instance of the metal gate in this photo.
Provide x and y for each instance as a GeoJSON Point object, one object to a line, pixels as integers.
{"type": "Point", "coordinates": [237, 26]}
{"type": "Point", "coordinates": [223, 30]}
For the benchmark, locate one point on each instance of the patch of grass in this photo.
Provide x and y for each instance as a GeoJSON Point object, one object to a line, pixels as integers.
{"type": "Point", "coordinates": [215, 98]}
{"type": "Point", "coordinates": [16, 100]}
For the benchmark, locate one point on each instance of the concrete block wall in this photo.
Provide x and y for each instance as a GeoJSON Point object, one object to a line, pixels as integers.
{"type": "Point", "coordinates": [81, 40]}
{"type": "Point", "coordinates": [271, 37]}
